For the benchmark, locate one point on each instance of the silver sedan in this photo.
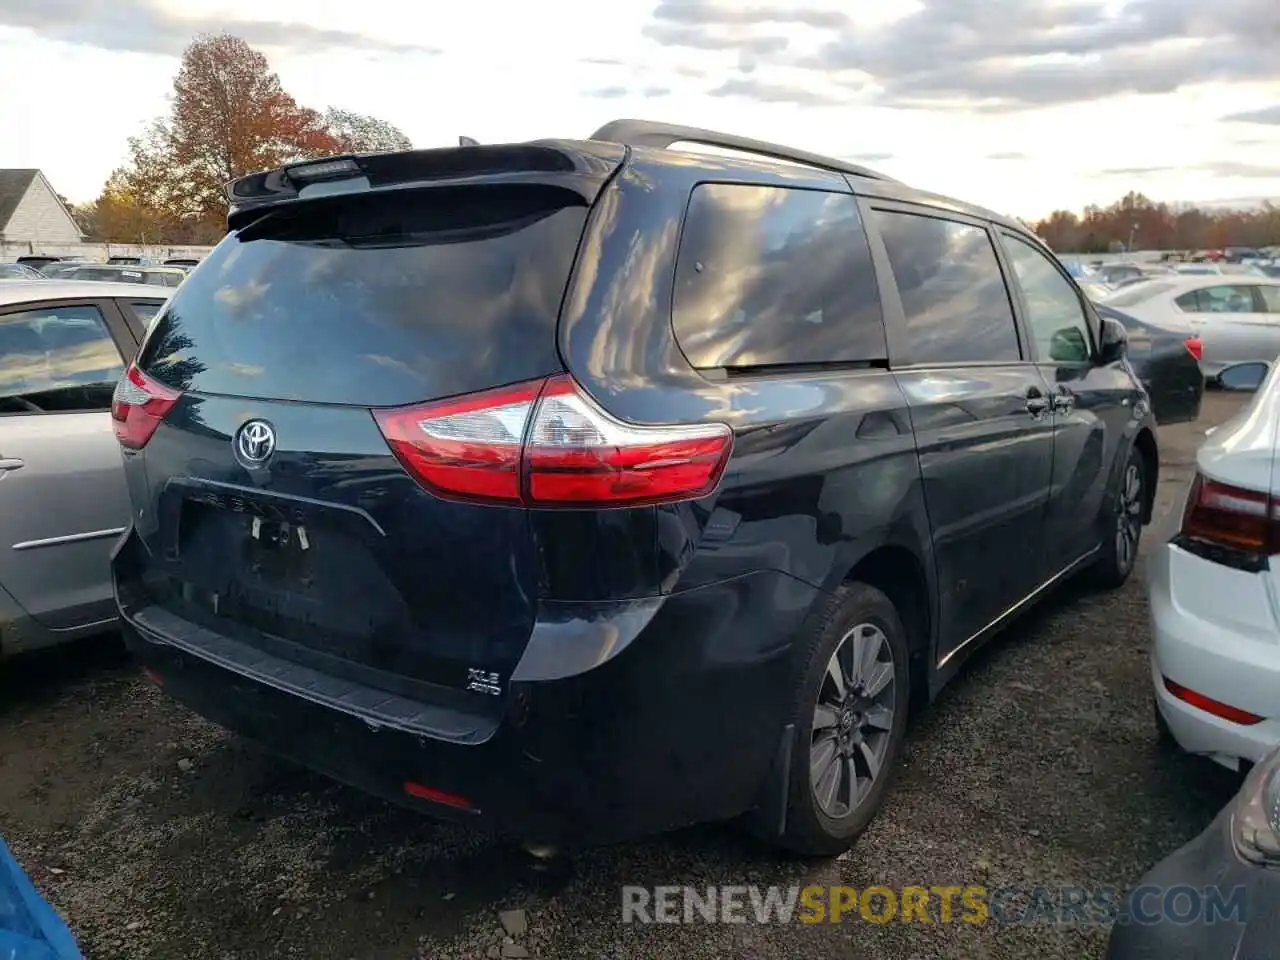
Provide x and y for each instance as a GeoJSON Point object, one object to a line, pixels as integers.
{"type": "Point", "coordinates": [1236, 316]}
{"type": "Point", "coordinates": [63, 346]}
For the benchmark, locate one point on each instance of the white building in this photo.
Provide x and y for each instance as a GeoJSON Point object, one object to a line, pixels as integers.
{"type": "Point", "coordinates": [32, 214]}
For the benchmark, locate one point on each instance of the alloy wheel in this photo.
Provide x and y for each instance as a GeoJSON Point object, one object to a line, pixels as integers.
{"type": "Point", "coordinates": [1129, 516]}
{"type": "Point", "coordinates": [852, 721]}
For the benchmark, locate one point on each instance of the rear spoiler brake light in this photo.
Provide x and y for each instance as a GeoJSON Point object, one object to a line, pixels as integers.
{"type": "Point", "coordinates": [581, 167]}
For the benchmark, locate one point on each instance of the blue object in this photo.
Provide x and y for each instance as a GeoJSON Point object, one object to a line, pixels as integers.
{"type": "Point", "coordinates": [30, 929]}
{"type": "Point", "coordinates": [1075, 268]}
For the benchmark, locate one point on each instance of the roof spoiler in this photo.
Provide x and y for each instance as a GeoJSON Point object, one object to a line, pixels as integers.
{"type": "Point", "coordinates": [659, 136]}
{"type": "Point", "coordinates": [576, 167]}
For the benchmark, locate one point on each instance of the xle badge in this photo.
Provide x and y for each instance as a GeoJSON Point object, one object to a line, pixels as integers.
{"type": "Point", "coordinates": [483, 681]}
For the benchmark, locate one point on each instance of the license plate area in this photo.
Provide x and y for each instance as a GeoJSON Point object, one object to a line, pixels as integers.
{"type": "Point", "coordinates": [277, 553]}
{"type": "Point", "coordinates": [297, 575]}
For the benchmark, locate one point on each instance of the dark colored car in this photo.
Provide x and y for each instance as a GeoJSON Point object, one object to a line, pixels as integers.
{"type": "Point", "coordinates": [1217, 897]}
{"type": "Point", "coordinates": [1167, 361]}
{"type": "Point", "coordinates": [62, 269]}
{"type": "Point", "coordinates": [37, 261]}
{"type": "Point", "coordinates": [588, 489]}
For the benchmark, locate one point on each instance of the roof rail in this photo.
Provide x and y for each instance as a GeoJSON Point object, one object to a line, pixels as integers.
{"type": "Point", "coordinates": [658, 135]}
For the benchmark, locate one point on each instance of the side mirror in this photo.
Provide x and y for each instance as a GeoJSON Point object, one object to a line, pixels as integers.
{"type": "Point", "coordinates": [1242, 376]}
{"type": "Point", "coordinates": [1113, 340]}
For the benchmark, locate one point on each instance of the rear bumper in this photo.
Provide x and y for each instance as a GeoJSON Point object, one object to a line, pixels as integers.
{"type": "Point", "coordinates": [1214, 632]}
{"type": "Point", "coordinates": [680, 727]}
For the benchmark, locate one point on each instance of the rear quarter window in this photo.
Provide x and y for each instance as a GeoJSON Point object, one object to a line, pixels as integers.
{"type": "Point", "coordinates": [1223, 299]}
{"type": "Point", "coordinates": [771, 276]}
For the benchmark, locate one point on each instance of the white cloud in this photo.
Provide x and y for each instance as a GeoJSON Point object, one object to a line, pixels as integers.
{"type": "Point", "coordinates": [509, 71]}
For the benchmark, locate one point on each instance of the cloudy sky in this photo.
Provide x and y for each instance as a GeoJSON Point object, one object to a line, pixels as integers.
{"type": "Point", "coordinates": [1021, 105]}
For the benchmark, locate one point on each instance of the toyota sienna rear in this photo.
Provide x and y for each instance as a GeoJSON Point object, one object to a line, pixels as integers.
{"type": "Point", "coordinates": [567, 487]}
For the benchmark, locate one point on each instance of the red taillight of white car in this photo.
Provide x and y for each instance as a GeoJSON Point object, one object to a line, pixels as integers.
{"type": "Point", "coordinates": [1195, 347]}
{"type": "Point", "coordinates": [1240, 520]}
{"type": "Point", "coordinates": [138, 405]}
{"type": "Point", "coordinates": [547, 444]}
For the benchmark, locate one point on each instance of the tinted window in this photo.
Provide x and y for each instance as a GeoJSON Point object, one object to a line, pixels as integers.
{"type": "Point", "coordinates": [57, 359]}
{"type": "Point", "coordinates": [1054, 311]}
{"type": "Point", "coordinates": [1270, 297]}
{"type": "Point", "coordinates": [953, 294]}
{"type": "Point", "coordinates": [18, 271]}
{"type": "Point", "coordinates": [140, 313]}
{"type": "Point", "coordinates": [380, 301]}
{"type": "Point", "coordinates": [769, 275]}
{"type": "Point", "coordinates": [1138, 293]}
{"type": "Point", "coordinates": [1222, 299]}
{"type": "Point", "coordinates": [145, 309]}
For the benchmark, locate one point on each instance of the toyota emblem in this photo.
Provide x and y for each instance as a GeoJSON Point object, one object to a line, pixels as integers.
{"type": "Point", "coordinates": [255, 442]}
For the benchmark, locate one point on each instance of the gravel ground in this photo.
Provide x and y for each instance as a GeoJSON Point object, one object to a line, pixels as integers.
{"type": "Point", "coordinates": [159, 836]}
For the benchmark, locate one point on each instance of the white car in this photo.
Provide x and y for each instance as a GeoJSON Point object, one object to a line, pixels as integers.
{"type": "Point", "coordinates": [1214, 592]}
{"type": "Point", "coordinates": [1236, 317]}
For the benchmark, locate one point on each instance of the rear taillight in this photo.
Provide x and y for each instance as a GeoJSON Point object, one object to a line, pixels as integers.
{"type": "Point", "coordinates": [1243, 521]}
{"type": "Point", "coordinates": [1195, 347]}
{"type": "Point", "coordinates": [137, 407]}
{"type": "Point", "coordinates": [547, 444]}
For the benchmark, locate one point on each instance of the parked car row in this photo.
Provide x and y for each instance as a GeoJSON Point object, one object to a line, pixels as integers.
{"type": "Point", "coordinates": [116, 270]}
{"type": "Point", "coordinates": [1236, 320]}
{"type": "Point", "coordinates": [41, 261]}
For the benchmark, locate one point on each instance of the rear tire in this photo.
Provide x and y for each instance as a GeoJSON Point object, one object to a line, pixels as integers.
{"type": "Point", "coordinates": [849, 716]}
{"type": "Point", "coordinates": [1122, 526]}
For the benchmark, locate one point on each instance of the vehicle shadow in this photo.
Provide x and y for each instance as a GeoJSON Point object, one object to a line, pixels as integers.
{"type": "Point", "coordinates": [41, 676]}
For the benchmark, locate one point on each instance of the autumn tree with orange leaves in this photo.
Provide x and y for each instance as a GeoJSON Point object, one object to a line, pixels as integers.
{"type": "Point", "coordinates": [1159, 226]}
{"type": "Point", "coordinates": [230, 117]}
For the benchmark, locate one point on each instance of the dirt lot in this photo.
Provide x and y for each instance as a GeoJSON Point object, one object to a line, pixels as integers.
{"type": "Point", "coordinates": [159, 836]}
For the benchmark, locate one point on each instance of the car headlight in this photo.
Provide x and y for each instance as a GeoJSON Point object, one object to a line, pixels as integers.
{"type": "Point", "coordinates": [1255, 821]}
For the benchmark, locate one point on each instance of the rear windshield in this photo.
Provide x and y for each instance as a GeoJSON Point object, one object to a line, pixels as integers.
{"type": "Point", "coordinates": [1138, 293]}
{"type": "Point", "coordinates": [376, 300]}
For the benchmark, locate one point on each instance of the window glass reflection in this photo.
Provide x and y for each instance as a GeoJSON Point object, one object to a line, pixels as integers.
{"type": "Point", "coordinates": [953, 294]}
{"type": "Point", "coordinates": [773, 275]}
{"type": "Point", "coordinates": [57, 359]}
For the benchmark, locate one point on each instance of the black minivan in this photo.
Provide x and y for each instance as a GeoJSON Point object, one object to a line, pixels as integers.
{"type": "Point", "coordinates": [593, 488]}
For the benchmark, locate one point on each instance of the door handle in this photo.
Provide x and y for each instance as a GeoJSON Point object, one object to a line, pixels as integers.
{"type": "Point", "coordinates": [1037, 403]}
{"type": "Point", "coordinates": [11, 463]}
{"type": "Point", "coordinates": [1063, 401]}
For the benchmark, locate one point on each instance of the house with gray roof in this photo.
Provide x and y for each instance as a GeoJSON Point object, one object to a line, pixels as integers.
{"type": "Point", "coordinates": [32, 213]}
